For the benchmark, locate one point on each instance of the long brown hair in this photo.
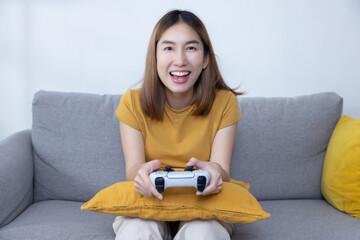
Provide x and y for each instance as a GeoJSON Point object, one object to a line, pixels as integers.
{"type": "Point", "coordinates": [153, 91]}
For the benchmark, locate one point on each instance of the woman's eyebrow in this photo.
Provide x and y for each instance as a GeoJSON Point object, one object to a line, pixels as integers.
{"type": "Point", "coordinates": [170, 42]}
{"type": "Point", "coordinates": [193, 42]}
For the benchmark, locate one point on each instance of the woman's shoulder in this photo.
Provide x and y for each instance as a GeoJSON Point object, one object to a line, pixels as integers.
{"type": "Point", "coordinates": [131, 98]}
{"type": "Point", "coordinates": [224, 99]}
{"type": "Point", "coordinates": [226, 103]}
{"type": "Point", "coordinates": [224, 95]}
{"type": "Point", "coordinates": [132, 93]}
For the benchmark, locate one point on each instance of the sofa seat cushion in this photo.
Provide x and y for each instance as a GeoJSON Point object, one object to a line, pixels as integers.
{"type": "Point", "coordinates": [291, 219]}
{"type": "Point", "coordinates": [300, 219]}
{"type": "Point", "coordinates": [59, 220]}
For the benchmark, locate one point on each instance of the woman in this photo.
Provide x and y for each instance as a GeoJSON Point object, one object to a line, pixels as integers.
{"type": "Point", "coordinates": [183, 115]}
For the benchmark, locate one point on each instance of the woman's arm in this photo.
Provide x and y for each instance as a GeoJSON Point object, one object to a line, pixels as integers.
{"type": "Point", "coordinates": [133, 148]}
{"type": "Point", "coordinates": [222, 149]}
{"type": "Point", "coordinates": [220, 159]}
{"type": "Point", "coordinates": [137, 169]}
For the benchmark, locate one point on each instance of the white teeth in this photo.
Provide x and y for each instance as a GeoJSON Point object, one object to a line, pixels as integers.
{"type": "Point", "coordinates": [180, 74]}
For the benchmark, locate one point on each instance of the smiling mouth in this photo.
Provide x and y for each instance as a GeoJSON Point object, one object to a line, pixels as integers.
{"type": "Point", "coordinates": [179, 74]}
{"type": "Point", "coordinates": [180, 77]}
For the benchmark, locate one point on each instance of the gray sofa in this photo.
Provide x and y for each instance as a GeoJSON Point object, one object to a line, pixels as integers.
{"type": "Point", "coordinates": [74, 150]}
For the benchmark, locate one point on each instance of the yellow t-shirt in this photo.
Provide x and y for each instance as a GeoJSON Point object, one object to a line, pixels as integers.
{"type": "Point", "coordinates": [180, 135]}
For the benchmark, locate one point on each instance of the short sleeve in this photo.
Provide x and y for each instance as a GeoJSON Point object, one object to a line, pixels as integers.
{"type": "Point", "coordinates": [126, 111]}
{"type": "Point", "coordinates": [231, 113]}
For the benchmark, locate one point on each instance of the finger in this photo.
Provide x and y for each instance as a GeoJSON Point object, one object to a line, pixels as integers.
{"type": "Point", "coordinates": [215, 178]}
{"type": "Point", "coordinates": [205, 193]}
{"type": "Point", "coordinates": [197, 163]}
{"type": "Point", "coordinates": [147, 189]}
{"type": "Point", "coordinates": [150, 167]}
{"type": "Point", "coordinates": [151, 188]}
{"type": "Point", "coordinates": [138, 185]}
{"type": "Point", "coordinates": [191, 162]}
{"type": "Point", "coordinates": [155, 165]}
{"type": "Point", "coordinates": [141, 190]}
{"type": "Point", "coordinates": [220, 182]}
{"type": "Point", "coordinates": [155, 193]}
{"type": "Point", "coordinates": [219, 186]}
{"type": "Point", "coordinates": [210, 189]}
{"type": "Point", "coordinates": [213, 187]}
{"type": "Point", "coordinates": [143, 184]}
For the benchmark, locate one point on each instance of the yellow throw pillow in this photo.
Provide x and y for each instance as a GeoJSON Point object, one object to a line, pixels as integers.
{"type": "Point", "coordinates": [340, 183]}
{"type": "Point", "coordinates": [233, 204]}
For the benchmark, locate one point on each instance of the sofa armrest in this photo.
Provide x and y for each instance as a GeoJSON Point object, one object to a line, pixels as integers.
{"type": "Point", "coordinates": [16, 175]}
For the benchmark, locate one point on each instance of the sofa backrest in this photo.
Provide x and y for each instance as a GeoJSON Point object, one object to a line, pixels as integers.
{"type": "Point", "coordinates": [77, 147]}
{"type": "Point", "coordinates": [281, 143]}
{"type": "Point", "coordinates": [279, 148]}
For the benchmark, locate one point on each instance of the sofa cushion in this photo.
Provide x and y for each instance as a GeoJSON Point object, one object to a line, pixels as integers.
{"type": "Point", "coordinates": [341, 174]}
{"type": "Point", "coordinates": [233, 204]}
{"type": "Point", "coordinates": [77, 147]}
{"type": "Point", "coordinates": [300, 219]}
{"type": "Point", "coordinates": [279, 148]}
{"type": "Point", "coordinates": [291, 220]}
{"type": "Point", "coordinates": [281, 142]}
{"type": "Point", "coordinates": [57, 220]}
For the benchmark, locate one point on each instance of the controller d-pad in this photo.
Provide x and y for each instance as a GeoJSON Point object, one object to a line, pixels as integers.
{"type": "Point", "coordinates": [160, 184]}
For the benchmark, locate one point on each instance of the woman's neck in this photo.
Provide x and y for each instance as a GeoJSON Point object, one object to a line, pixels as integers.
{"type": "Point", "coordinates": [179, 101]}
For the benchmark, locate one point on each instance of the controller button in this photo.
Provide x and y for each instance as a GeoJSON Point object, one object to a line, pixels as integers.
{"type": "Point", "coordinates": [190, 168]}
{"type": "Point", "coordinates": [200, 187]}
{"type": "Point", "coordinates": [180, 175]}
{"type": "Point", "coordinates": [160, 184]}
{"type": "Point", "coordinates": [201, 180]}
{"type": "Point", "coordinates": [168, 169]}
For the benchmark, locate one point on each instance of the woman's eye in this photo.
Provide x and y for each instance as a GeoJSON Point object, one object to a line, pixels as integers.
{"type": "Point", "coordinates": [168, 48]}
{"type": "Point", "coordinates": [191, 48]}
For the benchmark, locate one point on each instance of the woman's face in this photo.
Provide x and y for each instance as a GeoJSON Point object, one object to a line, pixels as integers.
{"type": "Point", "coordinates": [180, 59]}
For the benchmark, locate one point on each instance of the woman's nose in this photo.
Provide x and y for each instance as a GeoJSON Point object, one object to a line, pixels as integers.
{"type": "Point", "coordinates": [180, 58]}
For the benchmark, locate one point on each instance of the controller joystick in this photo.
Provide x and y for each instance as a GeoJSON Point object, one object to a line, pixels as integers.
{"type": "Point", "coordinates": [198, 179]}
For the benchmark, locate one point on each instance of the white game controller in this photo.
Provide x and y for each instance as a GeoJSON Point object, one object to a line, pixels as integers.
{"type": "Point", "coordinates": [198, 179]}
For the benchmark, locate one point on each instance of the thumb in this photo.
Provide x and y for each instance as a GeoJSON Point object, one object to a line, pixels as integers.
{"type": "Point", "coordinates": [195, 162]}
{"type": "Point", "coordinates": [155, 165]}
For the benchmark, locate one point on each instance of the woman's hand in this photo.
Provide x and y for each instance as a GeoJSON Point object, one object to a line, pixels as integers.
{"type": "Point", "coordinates": [216, 175]}
{"type": "Point", "coordinates": [143, 184]}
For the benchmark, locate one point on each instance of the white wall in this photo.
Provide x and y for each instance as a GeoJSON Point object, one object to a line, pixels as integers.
{"type": "Point", "coordinates": [269, 47]}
